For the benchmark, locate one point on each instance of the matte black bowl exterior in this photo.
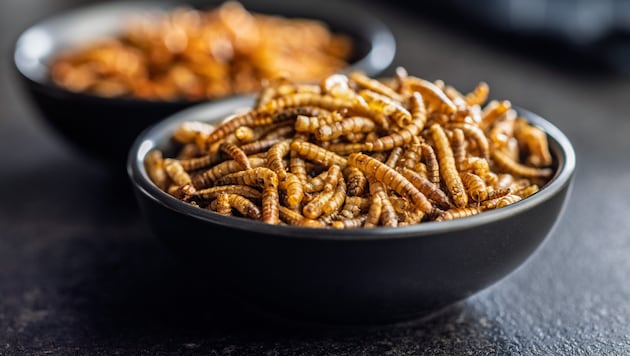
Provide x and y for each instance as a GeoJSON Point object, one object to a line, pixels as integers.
{"type": "Point", "coordinates": [355, 275]}
{"type": "Point", "coordinates": [105, 128]}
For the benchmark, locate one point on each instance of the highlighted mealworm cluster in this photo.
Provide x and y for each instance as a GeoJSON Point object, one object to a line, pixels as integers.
{"type": "Point", "coordinates": [353, 151]}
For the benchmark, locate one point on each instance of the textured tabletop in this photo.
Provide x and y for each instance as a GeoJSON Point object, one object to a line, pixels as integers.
{"type": "Point", "coordinates": [80, 273]}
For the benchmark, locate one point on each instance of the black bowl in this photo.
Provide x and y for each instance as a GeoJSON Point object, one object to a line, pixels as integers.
{"type": "Point", "coordinates": [352, 275]}
{"type": "Point", "coordinates": [104, 128]}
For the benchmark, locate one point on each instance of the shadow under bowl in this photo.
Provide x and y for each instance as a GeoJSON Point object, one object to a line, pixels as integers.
{"type": "Point", "coordinates": [104, 128]}
{"type": "Point", "coordinates": [377, 275]}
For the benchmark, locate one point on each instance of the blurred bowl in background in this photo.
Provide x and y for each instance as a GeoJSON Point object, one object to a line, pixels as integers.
{"type": "Point", "coordinates": [105, 127]}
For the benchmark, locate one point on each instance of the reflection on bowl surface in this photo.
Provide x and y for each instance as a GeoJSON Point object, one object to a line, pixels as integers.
{"type": "Point", "coordinates": [104, 127]}
{"type": "Point", "coordinates": [357, 275]}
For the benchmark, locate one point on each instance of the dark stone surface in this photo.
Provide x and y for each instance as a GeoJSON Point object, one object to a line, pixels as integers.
{"type": "Point", "coordinates": [80, 274]}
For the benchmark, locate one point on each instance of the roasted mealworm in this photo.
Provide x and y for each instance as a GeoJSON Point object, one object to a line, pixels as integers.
{"type": "Point", "coordinates": [475, 186]}
{"type": "Point", "coordinates": [431, 162]}
{"type": "Point", "coordinates": [208, 177]}
{"type": "Point", "coordinates": [431, 93]}
{"type": "Point", "coordinates": [448, 170]}
{"type": "Point", "coordinates": [317, 154]}
{"type": "Point", "coordinates": [213, 192]}
{"type": "Point", "coordinates": [430, 190]}
{"type": "Point", "coordinates": [222, 204]}
{"type": "Point", "coordinates": [534, 140]}
{"type": "Point", "coordinates": [275, 157]}
{"type": "Point", "coordinates": [511, 166]}
{"type": "Point", "coordinates": [391, 179]}
{"type": "Point", "coordinates": [294, 189]}
{"type": "Point", "coordinates": [292, 217]}
{"type": "Point", "coordinates": [479, 95]}
{"type": "Point", "coordinates": [235, 153]}
{"type": "Point", "coordinates": [387, 214]}
{"type": "Point", "coordinates": [458, 213]}
{"type": "Point", "coordinates": [179, 176]}
{"type": "Point", "coordinates": [364, 81]}
{"type": "Point", "coordinates": [154, 165]}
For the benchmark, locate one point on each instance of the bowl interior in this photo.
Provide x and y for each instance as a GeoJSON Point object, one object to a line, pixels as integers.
{"type": "Point", "coordinates": [158, 136]}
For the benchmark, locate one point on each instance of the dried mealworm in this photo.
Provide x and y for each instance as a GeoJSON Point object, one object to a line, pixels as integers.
{"type": "Point", "coordinates": [391, 179]}
{"type": "Point", "coordinates": [448, 170]}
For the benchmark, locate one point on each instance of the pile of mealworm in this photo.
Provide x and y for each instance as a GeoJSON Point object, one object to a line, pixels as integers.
{"type": "Point", "coordinates": [193, 54]}
{"type": "Point", "coordinates": [354, 151]}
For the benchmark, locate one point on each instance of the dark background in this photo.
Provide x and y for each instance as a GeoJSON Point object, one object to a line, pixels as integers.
{"type": "Point", "coordinates": [81, 275]}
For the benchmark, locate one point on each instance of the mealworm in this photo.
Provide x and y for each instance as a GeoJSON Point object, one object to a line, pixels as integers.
{"type": "Point", "coordinates": [448, 170]}
{"type": "Point", "coordinates": [390, 178]}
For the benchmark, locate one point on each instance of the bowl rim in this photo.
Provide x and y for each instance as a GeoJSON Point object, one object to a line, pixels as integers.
{"type": "Point", "coordinates": [33, 67]}
{"type": "Point", "coordinates": [147, 140]}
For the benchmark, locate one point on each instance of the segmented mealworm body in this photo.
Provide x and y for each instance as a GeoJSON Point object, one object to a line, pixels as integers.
{"type": "Point", "coordinates": [154, 165]}
{"type": "Point", "coordinates": [353, 206]}
{"type": "Point", "coordinates": [316, 184]}
{"type": "Point", "coordinates": [309, 124]}
{"type": "Point", "coordinates": [432, 191]}
{"type": "Point", "coordinates": [356, 181]}
{"type": "Point", "coordinates": [387, 213]}
{"type": "Point", "coordinates": [306, 99]}
{"type": "Point", "coordinates": [374, 85]}
{"type": "Point", "coordinates": [391, 179]}
{"type": "Point", "coordinates": [344, 149]}
{"type": "Point", "coordinates": [534, 140]}
{"type": "Point", "coordinates": [507, 200]}
{"type": "Point", "coordinates": [353, 124]}
{"type": "Point", "coordinates": [208, 177]}
{"type": "Point", "coordinates": [394, 156]}
{"type": "Point", "coordinates": [297, 166]}
{"type": "Point", "coordinates": [458, 144]}
{"type": "Point", "coordinates": [317, 154]}
{"type": "Point", "coordinates": [431, 93]}
{"type": "Point", "coordinates": [179, 176]}
{"type": "Point", "coordinates": [384, 105]}
{"type": "Point", "coordinates": [292, 217]}
{"type": "Point", "coordinates": [335, 202]}
{"type": "Point", "coordinates": [227, 127]}
{"type": "Point", "coordinates": [498, 193]}
{"type": "Point", "coordinates": [222, 204]}
{"type": "Point", "coordinates": [479, 95]}
{"type": "Point", "coordinates": [475, 186]}
{"type": "Point", "coordinates": [474, 133]}
{"type": "Point", "coordinates": [259, 146]}
{"type": "Point", "coordinates": [314, 208]}
{"type": "Point", "coordinates": [448, 169]}
{"type": "Point", "coordinates": [527, 191]}
{"type": "Point", "coordinates": [275, 157]}
{"type": "Point", "coordinates": [513, 167]}
{"type": "Point", "coordinates": [195, 163]}
{"type": "Point", "coordinates": [294, 189]}
{"type": "Point", "coordinates": [411, 155]}
{"type": "Point", "coordinates": [235, 152]}
{"type": "Point", "coordinates": [374, 212]}
{"type": "Point", "coordinates": [493, 111]}
{"type": "Point", "coordinates": [431, 162]}
{"type": "Point", "coordinates": [192, 131]}
{"type": "Point", "coordinates": [213, 192]}
{"type": "Point", "coordinates": [332, 177]}
{"type": "Point", "coordinates": [244, 134]}
{"type": "Point", "coordinates": [255, 177]}
{"type": "Point", "coordinates": [458, 213]}
{"type": "Point", "coordinates": [349, 223]}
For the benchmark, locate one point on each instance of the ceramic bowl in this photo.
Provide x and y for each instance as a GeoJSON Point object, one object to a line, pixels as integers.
{"type": "Point", "coordinates": [351, 275]}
